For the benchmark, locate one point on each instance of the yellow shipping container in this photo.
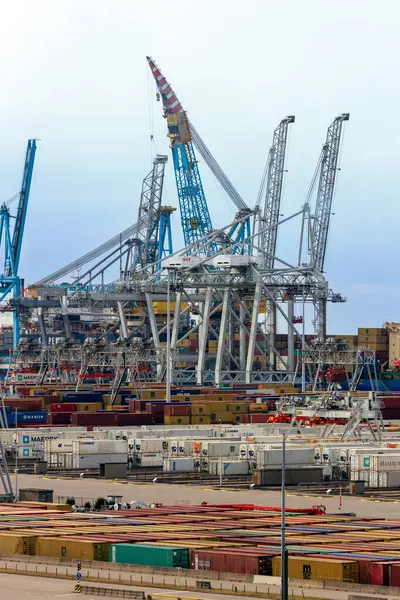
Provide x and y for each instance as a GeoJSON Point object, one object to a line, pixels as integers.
{"type": "Point", "coordinates": [200, 420]}
{"type": "Point", "coordinates": [89, 406]}
{"type": "Point", "coordinates": [218, 406]}
{"type": "Point", "coordinates": [183, 343]}
{"type": "Point", "coordinates": [258, 408]}
{"type": "Point", "coordinates": [107, 398]}
{"type": "Point", "coordinates": [154, 394]}
{"type": "Point", "coordinates": [37, 391]}
{"type": "Point", "coordinates": [238, 407]}
{"type": "Point", "coordinates": [200, 409]}
{"type": "Point", "coordinates": [14, 543]}
{"type": "Point", "coordinates": [224, 416]}
{"type": "Point", "coordinates": [67, 548]}
{"type": "Point", "coordinates": [174, 420]}
{"type": "Point", "coordinates": [318, 569]}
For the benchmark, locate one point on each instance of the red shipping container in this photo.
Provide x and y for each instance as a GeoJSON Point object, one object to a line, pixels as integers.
{"type": "Point", "coordinates": [95, 419]}
{"type": "Point", "coordinates": [59, 418]}
{"type": "Point", "coordinates": [22, 390]}
{"type": "Point", "coordinates": [390, 402]}
{"type": "Point", "coordinates": [64, 407]}
{"type": "Point", "coordinates": [380, 573]}
{"type": "Point", "coordinates": [183, 410]}
{"type": "Point", "coordinates": [134, 419]}
{"type": "Point", "coordinates": [394, 571]}
{"type": "Point", "coordinates": [24, 404]}
{"type": "Point", "coordinates": [257, 418]}
{"type": "Point", "coordinates": [154, 408]}
{"type": "Point", "coordinates": [233, 562]}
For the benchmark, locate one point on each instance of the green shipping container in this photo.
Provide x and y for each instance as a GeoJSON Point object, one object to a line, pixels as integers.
{"type": "Point", "coordinates": [151, 556]}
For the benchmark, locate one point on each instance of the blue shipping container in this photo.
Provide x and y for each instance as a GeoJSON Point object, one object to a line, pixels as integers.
{"type": "Point", "coordinates": [27, 416]}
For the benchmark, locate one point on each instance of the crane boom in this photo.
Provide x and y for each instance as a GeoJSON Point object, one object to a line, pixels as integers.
{"type": "Point", "coordinates": [216, 170]}
{"type": "Point", "coordinates": [326, 185]}
{"type": "Point", "coordinates": [273, 191]}
{"type": "Point", "coordinates": [195, 216]}
{"type": "Point", "coordinates": [20, 218]}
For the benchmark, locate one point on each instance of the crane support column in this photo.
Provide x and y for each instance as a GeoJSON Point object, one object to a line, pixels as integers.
{"type": "Point", "coordinates": [203, 331]}
{"type": "Point", "coordinates": [272, 333]}
{"type": "Point", "coordinates": [175, 325]}
{"type": "Point", "coordinates": [122, 319]}
{"type": "Point", "coordinates": [253, 331]}
{"type": "Point", "coordinates": [290, 361]}
{"type": "Point", "coordinates": [242, 339]}
{"type": "Point", "coordinates": [221, 337]}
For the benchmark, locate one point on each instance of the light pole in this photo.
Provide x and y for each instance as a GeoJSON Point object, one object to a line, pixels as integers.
{"type": "Point", "coordinates": [284, 559]}
{"type": "Point", "coordinates": [220, 455]}
{"type": "Point", "coordinates": [168, 390]}
{"type": "Point", "coordinates": [16, 454]}
{"type": "Point", "coordinates": [303, 346]}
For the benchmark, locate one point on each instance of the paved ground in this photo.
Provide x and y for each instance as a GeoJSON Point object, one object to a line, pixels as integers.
{"type": "Point", "coordinates": [179, 494]}
{"type": "Point", "coordinates": [18, 587]}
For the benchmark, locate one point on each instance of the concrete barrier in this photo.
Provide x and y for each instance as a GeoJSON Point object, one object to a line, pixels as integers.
{"type": "Point", "coordinates": [113, 592]}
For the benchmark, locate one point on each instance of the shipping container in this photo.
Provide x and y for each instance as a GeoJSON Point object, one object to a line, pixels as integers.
{"type": "Point", "coordinates": [314, 569]}
{"type": "Point", "coordinates": [152, 556]}
{"type": "Point", "coordinates": [76, 548]}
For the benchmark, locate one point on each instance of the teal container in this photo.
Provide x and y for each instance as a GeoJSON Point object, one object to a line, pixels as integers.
{"type": "Point", "coordinates": [150, 556]}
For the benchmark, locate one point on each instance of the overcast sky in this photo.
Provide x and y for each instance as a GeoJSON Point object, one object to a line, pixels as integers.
{"type": "Point", "coordinates": [73, 73]}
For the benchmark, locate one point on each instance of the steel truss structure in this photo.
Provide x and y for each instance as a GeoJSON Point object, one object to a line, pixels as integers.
{"type": "Point", "coordinates": [224, 293]}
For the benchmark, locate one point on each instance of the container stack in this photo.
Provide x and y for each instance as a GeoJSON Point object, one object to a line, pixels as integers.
{"type": "Point", "coordinates": [237, 539]}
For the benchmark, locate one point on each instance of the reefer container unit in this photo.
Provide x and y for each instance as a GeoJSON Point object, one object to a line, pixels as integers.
{"type": "Point", "coordinates": [318, 569]}
{"type": "Point", "coordinates": [179, 465]}
{"type": "Point", "coordinates": [93, 461]}
{"type": "Point", "coordinates": [232, 467]}
{"type": "Point", "coordinates": [152, 556]}
{"type": "Point", "coordinates": [100, 447]}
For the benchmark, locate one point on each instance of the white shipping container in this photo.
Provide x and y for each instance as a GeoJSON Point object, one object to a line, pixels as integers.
{"type": "Point", "coordinates": [90, 435]}
{"type": "Point", "coordinates": [32, 439]}
{"type": "Point", "coordinates": [92, 461]}
{"type": "Point", "coordinates": [100, 447]}
{"type": "Point", "coordinates": [58, 446]}
{"type": "Point", "coordinates": [179, 465]}
{"type": "Point", "coordinates": [300, 456]}
{"type": "Point", "coordinates": [233, 467]}
{"type": "Point", "coordinates": [386, 462]}
{"type": "Point", "coordinates": [31, 452]}
{"type": "Point", "coordinates": [150, 459]}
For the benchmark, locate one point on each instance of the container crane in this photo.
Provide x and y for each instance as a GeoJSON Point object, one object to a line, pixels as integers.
{"type": "Point", "coordinates": [320, 226]}
{"type": "Point", "coordinates": [326, 186]}
{"type": "Point", "coordinates": [273, 176]}
{"type": "Point", "coordinates": [271, 188]}
{"type": "Point", "coordinates": [10, 281]}
{"type": "Point", "coordinates": [195, 216]}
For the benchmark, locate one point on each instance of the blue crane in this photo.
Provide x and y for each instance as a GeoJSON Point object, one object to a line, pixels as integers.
{"type": "Point", "coordinates": [12, 242]}
{"type": "Point", "coordinates": [195, 216]}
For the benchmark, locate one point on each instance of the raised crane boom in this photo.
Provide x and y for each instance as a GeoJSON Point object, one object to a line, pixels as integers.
{"type": "Point", "coordinates": [216, 170]}
{"type": "Point", "coordinates": [326, 185]}
{"type": "Point", "coordinates": [273, 192]}
{"type": "Point", "coordinates": [20, 218]}
{"type": "Point", "coordinates": [195, 216]}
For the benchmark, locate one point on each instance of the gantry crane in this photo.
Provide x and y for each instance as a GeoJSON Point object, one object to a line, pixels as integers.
{"type": "Point", "coordinates": [320, 227]}
{"type": "Point", "coordinates": [271, 182]}
{"type": "Point", "coordinates": [195, 216]}
{"type": "Point", "coordinates": [10, 281]}
{"type": "Point", "coordinates": [273, 176]}
{"type": "Point", "coordinates": [154, 237]}
{"type": "Point", "coordinates": [327, 178]}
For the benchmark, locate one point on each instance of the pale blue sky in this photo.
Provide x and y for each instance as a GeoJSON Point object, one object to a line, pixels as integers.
{"type": "Point", "coordinates": [74, 74]}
